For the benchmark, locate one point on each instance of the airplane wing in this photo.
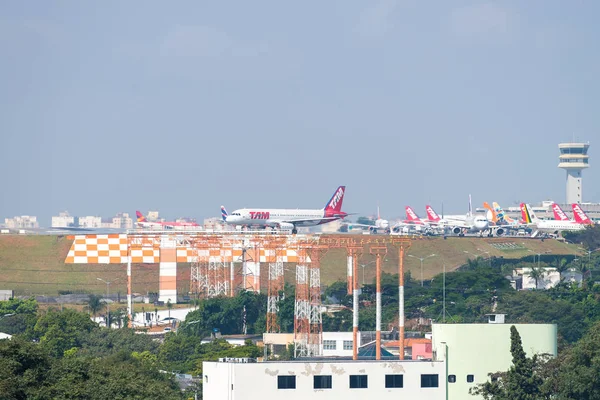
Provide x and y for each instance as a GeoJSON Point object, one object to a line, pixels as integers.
{"type": "Point", "coordinates": [296, 221]}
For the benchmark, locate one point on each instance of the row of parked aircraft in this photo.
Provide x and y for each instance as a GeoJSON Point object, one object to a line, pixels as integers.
{"type": "Point", "coordinates": [495, 223]}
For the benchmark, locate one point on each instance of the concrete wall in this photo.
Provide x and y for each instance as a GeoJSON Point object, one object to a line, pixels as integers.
{"type": "Point", "coordinates": [480, 349]}
{"type": "Point", "coordinates": [236, 381]}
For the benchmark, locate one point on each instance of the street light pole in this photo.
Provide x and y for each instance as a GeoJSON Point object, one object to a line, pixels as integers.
{"type": "Point", "coordinates": [108, 324]}
{"type": "Point", "coordinates": [421, 259]}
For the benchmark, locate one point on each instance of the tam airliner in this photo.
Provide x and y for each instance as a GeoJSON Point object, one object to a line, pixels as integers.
{"type": "Point", "coordinates": [288, 219]}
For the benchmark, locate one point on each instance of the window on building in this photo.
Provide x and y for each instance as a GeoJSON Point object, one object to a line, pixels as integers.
{"type": "Point", "coordinates": [470, 378]}
{"type": "Point", "coordinates": [329, 345]}
{"type": "Point", "coordinates": [322, 382]}
{"type": "Point", "coordinates": [394, 381]}
{"type": "Point", "coordinates": [429, 380]}
{"type": "Point", "coordinates": [452, 378]}
{"type": "Point", "coordinates": [347, 344]}
{"type": "Point", "coordinates": [358, 381]}
{"type": "Point", "coordinates": [286, 382]}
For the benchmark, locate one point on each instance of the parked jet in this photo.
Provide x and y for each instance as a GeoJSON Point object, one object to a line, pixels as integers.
{"type": "Point", "coordinates": [548, 226]}
{"type": "Point", "coordinates": [473, 223]}
{"type": "Point", "coordinates": [290, 219]}
{"type": "Point", "coordinates": [580, 216]}
{"type": "Point", "coordinates": [559, 214]}
{"type": "Point", "coordinates": [380, 225]}
{"type": "Point", "coordinates": [144, 223]}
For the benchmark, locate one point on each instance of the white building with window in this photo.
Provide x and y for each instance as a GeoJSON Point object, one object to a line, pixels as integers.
{"type": "Point", "coordinates": [62, 220]}
{"type": "Point", "coordinates": [323, 379]}
{"type": "Point", "coordinates": [472, 351]}
{"type": "Point", "coordinates": [338, 344]}
{"type": "Point", "coordinates": [23, 221]}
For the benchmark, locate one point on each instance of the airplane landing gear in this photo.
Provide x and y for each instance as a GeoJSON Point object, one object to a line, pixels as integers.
{"type": "Point", "coordinates": [294, 231]}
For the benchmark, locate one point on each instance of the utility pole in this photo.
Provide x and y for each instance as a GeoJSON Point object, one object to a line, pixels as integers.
{"type": "Point", "coordinates": [421, 259]}
{"type": "Point", "coordinates": [108, 324]}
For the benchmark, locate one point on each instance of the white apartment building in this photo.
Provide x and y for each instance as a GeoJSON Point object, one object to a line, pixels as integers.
{"type": "Point", "coordinates": [21, 222]}
{"type": "Point", "coordinates": [239, 379]}
{"type": "Point", "coordinates": [63, 220]}
{"type": "Point", "coordinates": [549, 279]}
{"type": "Point", "coordinates": [463, 356]}
{"type": "Point", "coordinates": [90, 222]}
{"type": "Point", "coordinates": [120, 221]}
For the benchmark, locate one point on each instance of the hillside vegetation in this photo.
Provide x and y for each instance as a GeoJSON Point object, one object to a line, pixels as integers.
{"type": "Point", "coordinates": [35, 264]}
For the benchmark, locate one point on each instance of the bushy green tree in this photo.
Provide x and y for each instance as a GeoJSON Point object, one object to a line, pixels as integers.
{"type": "Point", "coordinates": [520, 382]}
{"type": "Point", "coordinates": [58, 331]}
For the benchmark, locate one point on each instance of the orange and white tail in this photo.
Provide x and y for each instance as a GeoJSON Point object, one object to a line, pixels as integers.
{"type": "Point", "coordinates": [411, 215]}
{"type": "Point", "coordinates": [559, 214]}
{"type": "Point", "coordinates": [432, 216]}
{"type": "Point", "coordinates": [580, 216]}
{"type": "Point", "coordinates": [492, 213]}
{"type": "Point", "coordinates": [140, 217]}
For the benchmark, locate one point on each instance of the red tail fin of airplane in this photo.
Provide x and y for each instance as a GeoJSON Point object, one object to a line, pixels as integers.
{"type": "Point", "coordinates": [411, 215]}
{"type": "Point", "coordinates": [334, 205]}
{"type": "Point", "coordinates": [559, 214]}
{"type": "Point", "coordinates": [580, 216]}
{"type": "Point", "coordinates": [140, 217]}
{"type": "Point", "coordinates": [431, 214]}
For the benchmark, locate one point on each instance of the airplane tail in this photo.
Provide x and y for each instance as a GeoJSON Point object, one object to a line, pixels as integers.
{"type": "Point", "coordinates": [494, 216]}
{"type": "Point", "coordinates": [501, 215]}
{"type": "Point", "coordinates": [223, 213]}
{"type": "Point", "coordinates": [580, 216]}
{"type": "Point", "coordinates": [470, 206]}
{"type": "Point", "coordinates": [140, 217]}
{"type": "Point", "coordinates": [431, 214]}
{"type": "Point", "coordinates": [411, 215]}
{"type": "Point", "coordinates": [559, 214]}
{"type": "Point", "coordinates": [527, 214]}
{"type": "Point", "coordinates": [333, 207]}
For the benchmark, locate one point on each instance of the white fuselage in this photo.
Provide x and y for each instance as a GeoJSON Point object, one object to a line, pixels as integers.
{"type": "Point", "coordinates": [554, 226]}
{"type": "Point", "coordinates": [272, 217]}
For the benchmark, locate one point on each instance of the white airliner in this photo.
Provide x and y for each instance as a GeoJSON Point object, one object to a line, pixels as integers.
{"type": "Point", "coordinates": [549, 226]}
{"type": "Point", "coordinates": [288, 219]}
{"type": "Point", "coordinates": [471, 223]}
{"type": "Point", "coordinates": [381, 225]}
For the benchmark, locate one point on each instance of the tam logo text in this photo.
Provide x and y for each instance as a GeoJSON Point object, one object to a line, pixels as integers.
{"type": "Point", "coordinates": [411, 213]}
{"type": "Point", "coordinates": [336, 198]}
{"type": "Point", "coordinates": [260, 214]}
{"type": "Point", "coordinates": [580, 212]}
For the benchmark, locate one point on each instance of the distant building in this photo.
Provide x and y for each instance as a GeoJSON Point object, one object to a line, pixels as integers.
{"type": "Point", "coordinates": [120, 221]}
{"type": "Point", "coordinates": [550, 278]}
{"type": "Point", "coordinates": [90, 222]}
{"type": "Point", "coordinates": [332, 227]}
{"type": "Point", "coordinates": [21, 222]}
{"type": "Point", "coordinates": [63, 220]}
{"type": "Point", "coordinates": [153, 216]}
{"type": "Point", "coordinates": [215, 224]}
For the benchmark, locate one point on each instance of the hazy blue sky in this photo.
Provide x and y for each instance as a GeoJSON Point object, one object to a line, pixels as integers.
{"type": "Point", "coordinates": [182, 106]}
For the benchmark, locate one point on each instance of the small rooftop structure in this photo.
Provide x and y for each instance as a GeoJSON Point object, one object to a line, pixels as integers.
{"type": "Point", "coordinates": [495, 318]}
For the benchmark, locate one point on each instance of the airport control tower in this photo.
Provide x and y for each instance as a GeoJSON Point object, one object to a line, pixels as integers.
{"type": "Point", "coordinates": [573, 158]}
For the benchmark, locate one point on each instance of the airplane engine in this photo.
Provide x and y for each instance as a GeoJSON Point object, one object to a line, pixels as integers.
{"type": "Point", "coordinates": [500, 232]}
{"type": "Point", "coordinates": [456, 231]}
{"type": "Point", "coordinates": [285, 226]}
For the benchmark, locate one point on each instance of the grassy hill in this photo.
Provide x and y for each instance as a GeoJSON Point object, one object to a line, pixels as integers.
{"type": "Point", "coordinates": [35, 264]}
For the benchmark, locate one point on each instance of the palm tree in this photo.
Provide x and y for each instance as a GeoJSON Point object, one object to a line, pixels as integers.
{"type": "Point", "coordinates": [562, 265]}
{"type": "Point", "coordinates": [536, 273]}
{"type": "Point", "coordinates": [94, 304]}
{"type": "Point", "coordinates": [169, 306]}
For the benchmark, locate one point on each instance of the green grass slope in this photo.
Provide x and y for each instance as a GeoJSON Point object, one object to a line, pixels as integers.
{"type": "Point", "coordinates": [35, 264]}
